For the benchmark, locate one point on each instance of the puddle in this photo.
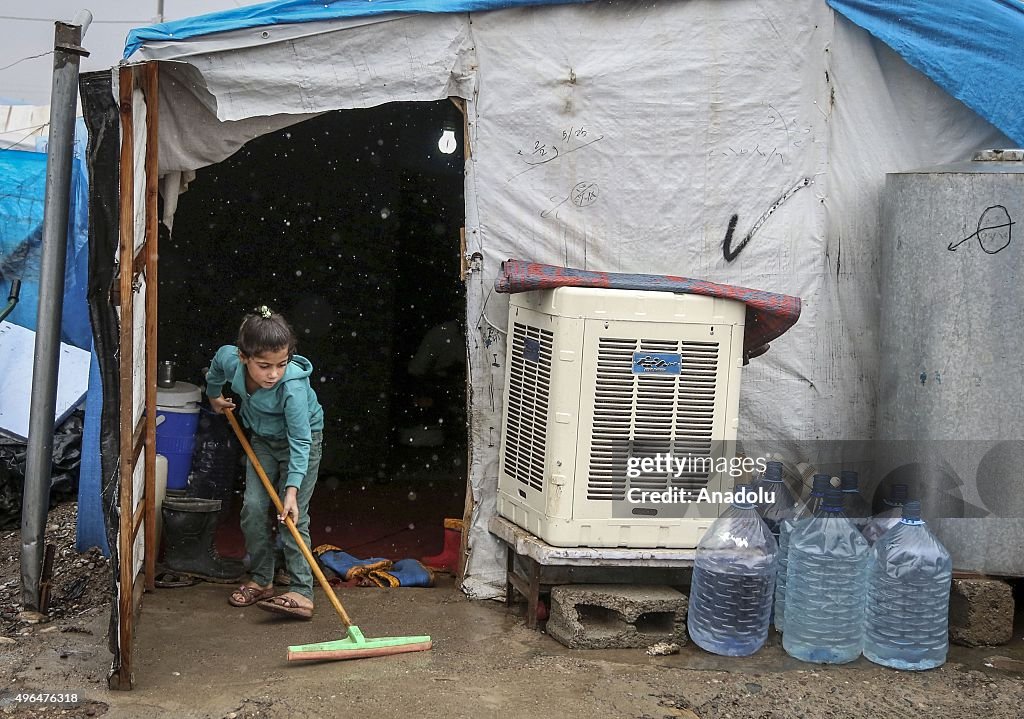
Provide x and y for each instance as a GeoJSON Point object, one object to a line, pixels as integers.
{"type": "Point", "coordinates": [1005, 664]}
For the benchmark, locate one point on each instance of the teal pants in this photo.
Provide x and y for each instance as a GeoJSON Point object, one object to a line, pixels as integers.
{"type": "Point", "coordinates": [256, 513]}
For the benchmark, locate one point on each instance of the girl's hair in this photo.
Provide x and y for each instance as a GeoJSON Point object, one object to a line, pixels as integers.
{"type": "Point", "coordinates": [265, 331]}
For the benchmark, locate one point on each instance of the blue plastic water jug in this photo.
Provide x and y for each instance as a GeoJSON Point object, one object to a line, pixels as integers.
{"type": "Point", "coordinates": [733, 581]}
{"type": "Point", "coordinates": [826, 586]}
{"type": "Point", "coordinates": [907, 614]}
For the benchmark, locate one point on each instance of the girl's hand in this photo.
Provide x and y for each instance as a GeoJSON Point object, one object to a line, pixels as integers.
{"type": "Point", "coordinates": [291, 505]}
{"type": "Point", "coordinates": [219, 404]}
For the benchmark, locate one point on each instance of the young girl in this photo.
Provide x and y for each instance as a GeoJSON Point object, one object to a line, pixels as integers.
{"type": "Point", "coordinates": [281, 409]}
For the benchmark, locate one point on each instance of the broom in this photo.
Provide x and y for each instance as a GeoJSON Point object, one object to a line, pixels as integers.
{"type": "Point", "coordinates": [354, 645]}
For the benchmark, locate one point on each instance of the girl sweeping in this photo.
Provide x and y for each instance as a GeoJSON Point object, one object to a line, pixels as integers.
{"type": "Point", "coordinates": [281, 409]}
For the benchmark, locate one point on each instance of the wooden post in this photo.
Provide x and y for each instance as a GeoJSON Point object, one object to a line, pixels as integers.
{"type": "Point", "coordinates": [151, 89]}
{"type": "Point", "coordinates": [126, 251]}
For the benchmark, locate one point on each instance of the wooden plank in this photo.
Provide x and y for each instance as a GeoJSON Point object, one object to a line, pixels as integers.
{"type": "Point", "coordinates": [151, 89]}
{"type": "Point", "coordinates": [527, 545]}
{"type": "Point", "coordinates": [467, 510]}
{"type": "Point", "coordinates": [137, 520]}
{"type": "Point", "coordinates": [126, 606]}
{"type": "Point", "coordinates": [138, 437]}
{"type": "Point", "coordinates": [139, 261]}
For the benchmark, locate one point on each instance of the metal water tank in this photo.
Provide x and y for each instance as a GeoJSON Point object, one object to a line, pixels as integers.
{"type": "Point", "coordinates": [950, 418]}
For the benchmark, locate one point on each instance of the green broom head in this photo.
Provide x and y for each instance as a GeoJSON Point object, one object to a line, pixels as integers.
{"type": "Point", "coordinates": [356, 646]}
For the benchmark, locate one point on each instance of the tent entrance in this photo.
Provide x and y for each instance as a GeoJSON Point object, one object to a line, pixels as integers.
{"type": "Point", "coordinates": [349, 225]}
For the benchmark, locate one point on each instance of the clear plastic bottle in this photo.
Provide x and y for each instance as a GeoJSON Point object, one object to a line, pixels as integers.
{"type": "Point", "coordinates": [907, 614]}
{"type": "Point", "coordinates": [888, 517]}
{"type": "Point", "coordinates": [854, 505]}
{"type": "Point", "coordinates": [733, 581]}
{"type": "Point", "coordinates": [825, 587]}
{"type": "Point", "coordinates": [780, 505]}
{"type": "Point", "coordinates": [804, 510]}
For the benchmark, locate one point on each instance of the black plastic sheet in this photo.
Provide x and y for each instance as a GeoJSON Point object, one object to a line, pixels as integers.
{"type": "Point", "coordinates": [67, 458]}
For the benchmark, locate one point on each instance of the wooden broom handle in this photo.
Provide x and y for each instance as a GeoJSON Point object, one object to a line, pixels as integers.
{"type": "Point", "coordinates": [288, 520]}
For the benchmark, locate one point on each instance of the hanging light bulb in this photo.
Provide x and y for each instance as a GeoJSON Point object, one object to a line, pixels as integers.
{"type": "Point", "coordinates": [447, 143]}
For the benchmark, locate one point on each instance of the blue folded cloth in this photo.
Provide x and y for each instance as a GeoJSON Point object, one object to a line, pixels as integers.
{"type": "Point", "coordinates": [345, 565]}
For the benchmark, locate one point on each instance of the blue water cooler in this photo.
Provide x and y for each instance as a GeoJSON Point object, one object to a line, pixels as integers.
{"type": "Point", "coordinates": [177, 415]}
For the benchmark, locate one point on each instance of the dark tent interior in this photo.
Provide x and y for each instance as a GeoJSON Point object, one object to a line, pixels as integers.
{"type": "Point", "coordinates": [348, 224]}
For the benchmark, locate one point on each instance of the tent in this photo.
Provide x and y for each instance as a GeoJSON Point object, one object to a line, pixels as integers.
{"type": "Point", "coordinates": [740, 142]}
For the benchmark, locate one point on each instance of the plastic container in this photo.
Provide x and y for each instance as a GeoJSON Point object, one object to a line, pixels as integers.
{"type": "Point", "coordinates": [804, 511]}
{"type": "Point", "coordinates": [854, 505]}
{"type": "Point", "coordinates": [782, 504]}
{"type": "Point", "coordinates": [826, 587]}
{"type": "Point", "coordinates": [733, 581]}
{"type": "Point", "coordinates": [907, 613]}
{"type": "Point", "coordinates": [177, 414]}
{"type": "Point", "coordinates": [888, 517]}
{"type": "Point", "coordinates": [214, 458]}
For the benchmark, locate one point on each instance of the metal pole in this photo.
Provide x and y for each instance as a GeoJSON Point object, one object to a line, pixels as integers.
{"type": "Point", "coordinates": [67, 52]}
{"type": "Point", "coordinates": [159, 10]}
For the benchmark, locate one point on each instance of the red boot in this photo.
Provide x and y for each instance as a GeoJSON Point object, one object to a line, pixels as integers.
{"type": "Point", "coordinates": [448, 559]}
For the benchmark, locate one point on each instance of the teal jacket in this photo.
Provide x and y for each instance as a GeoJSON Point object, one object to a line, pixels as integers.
{"type": "Point", "coordinates": [288, 410]}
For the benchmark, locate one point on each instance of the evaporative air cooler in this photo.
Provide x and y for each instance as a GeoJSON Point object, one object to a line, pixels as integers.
{"type": "Point", "coordinates": [595, 377]}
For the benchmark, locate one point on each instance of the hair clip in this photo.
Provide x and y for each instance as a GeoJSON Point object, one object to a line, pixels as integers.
{"type": "Point", "coordinates": [265, 312]}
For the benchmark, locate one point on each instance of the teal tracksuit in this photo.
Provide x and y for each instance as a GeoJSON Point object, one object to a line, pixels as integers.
{"type": "Point", "coordinates": [287, 425]}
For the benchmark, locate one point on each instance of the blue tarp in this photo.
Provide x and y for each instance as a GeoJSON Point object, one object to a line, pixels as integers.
{"type": "Point", "coordinates": [972, 50]}
{"type": "Point", "coordinates": [283, 12]}
{"type": "Point", "coordinates": [22, 189]}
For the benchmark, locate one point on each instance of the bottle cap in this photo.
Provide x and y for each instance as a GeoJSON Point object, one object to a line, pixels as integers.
{"type": "Point", "coordinates": [819, 484]}
{"type": "Point", "coordinates": [833, 500]}
{"type": "Point", "coordinates": [912, 510]}
{"type": "Point", "coordinates": [741, 493]}
{"type": "Point", "coordinates": [773, 472]}
{"type": "Point", "coordinates": [898, 493]}
{"type": "Point", "coordinates": [848, 478]}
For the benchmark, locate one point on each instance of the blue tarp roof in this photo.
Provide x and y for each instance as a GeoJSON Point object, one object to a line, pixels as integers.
{"type": "Point", "coordinates": [972, 50]}
{"type": "Point", "coordinates": [280, 12]}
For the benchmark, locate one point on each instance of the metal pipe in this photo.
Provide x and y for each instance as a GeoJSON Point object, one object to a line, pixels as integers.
{"type": "Point", "coordinates": [12, 299]}
{"type": "Point", "coordinates": [67, 53]}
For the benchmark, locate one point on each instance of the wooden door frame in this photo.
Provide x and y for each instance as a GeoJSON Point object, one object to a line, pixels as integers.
{"type": "Point", "coordinates": [137, 440]}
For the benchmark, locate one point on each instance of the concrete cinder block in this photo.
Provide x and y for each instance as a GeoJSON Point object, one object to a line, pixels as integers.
{"type": "Point", "coordinates": [616, 616]}
{"type": "Point", "coordinates": [980, 612]}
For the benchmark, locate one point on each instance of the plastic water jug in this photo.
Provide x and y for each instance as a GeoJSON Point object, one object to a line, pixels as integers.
{"type": "Point", "coordinates": [907, 614]}
{"type": "Point", "coordinates": [780, 504]}
{"type": "Point", "coordinates": [804, 511]}
{"type": "Point", "coordinates": [854, 505]}
{"type": "Point", "coordinates": [888, 517]}
{"type": "Point", "coordinates": [826, 587]}
{"type": "Point", "coordinates": [733, 581]}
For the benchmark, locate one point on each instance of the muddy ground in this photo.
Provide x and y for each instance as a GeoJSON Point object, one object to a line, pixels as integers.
{"type": "Point", "coordinates": [198, 657]}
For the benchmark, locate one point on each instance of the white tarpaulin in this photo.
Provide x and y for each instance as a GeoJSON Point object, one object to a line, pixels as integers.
{"type": "Point", "coordinates": [741, 142]}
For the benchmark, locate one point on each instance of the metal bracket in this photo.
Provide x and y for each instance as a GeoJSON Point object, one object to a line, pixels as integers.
{"type": "Point", "coordinates": [72, 49]}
